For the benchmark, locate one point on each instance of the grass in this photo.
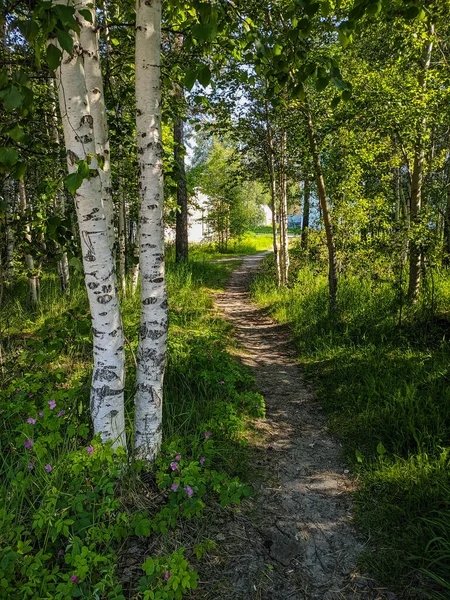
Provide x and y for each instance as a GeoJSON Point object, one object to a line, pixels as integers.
{"type": "Point", "coordinates": [250, 243]}
{"type": "Point", "coordinates": [80, 519]}
{"type": "Point", "coordinates": [386, 390]}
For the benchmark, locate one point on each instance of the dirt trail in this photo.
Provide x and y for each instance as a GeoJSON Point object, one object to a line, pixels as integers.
{"type": "Point", "coordinates": [299, 521]}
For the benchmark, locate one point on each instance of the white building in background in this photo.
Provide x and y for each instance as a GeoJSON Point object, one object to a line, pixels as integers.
{"type": "Point", "coordinates": [267, 214]}
{"type": "Point", "coordinates": [198, 230]}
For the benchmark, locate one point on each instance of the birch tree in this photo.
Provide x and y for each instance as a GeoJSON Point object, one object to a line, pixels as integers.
{"type": "Point", "coordinates": [108, 378]}
{"type": "Point", "coordinates": [152, 347]}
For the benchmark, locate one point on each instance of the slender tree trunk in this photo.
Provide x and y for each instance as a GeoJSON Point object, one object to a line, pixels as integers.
{"type": "Point", "coordinates": [415, 256]}
{"type": "Point", "coordinates": [273, 196]}
{"type": "Point", "coordinates": [58, 199]}
{"type": "Point", "coordinates": [326, 215]}
{"type": "Point", "coordinates": [135, 269]}
{"type": "Point", "coordinates": [108, 379]}
{"type": "Point", "coordinates": [122, 239]}
{"type": "Point", "coordinates": [89, 40]}
{"type": "Point", "coordinates": [29, 261]}
{"type": "Point", "coordinates": [181, 232]}
{"type": "Point", "coordinates": [446, 248]}
{"type": "Point", "coordinates": [152, 347]}
{"type": "Point", "coordinates": [306, 207]}
{"type": "Point", "coordinates": [284, 239]}
{"type": "Point", "coordinates": [8, 197]}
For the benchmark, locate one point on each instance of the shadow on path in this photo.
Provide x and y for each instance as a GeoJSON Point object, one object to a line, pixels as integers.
{"type": "Point", "coordinates": [300, 519]}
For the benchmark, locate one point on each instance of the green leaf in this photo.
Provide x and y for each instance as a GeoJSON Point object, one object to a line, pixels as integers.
{"type": "Point", "coordinates": [149, 566]}
{"type": "Point", "coordinates": [17, 133]}
{"type": "Point", "coordinates": [8, 156]}
{"type": "Point", "coordinates": [277, 49]}
{"type": "Point", "coordinates": [73, 182]}
{"type": "Point", "coordinates": [381, 449]}
{"type": "Point", "coordinates": [190, 78]}
{"type": "Point", "coordinates": [335, 102]}
{"type": "Point", "coordinates": [11, 98]}
{"type": "Point", "coordinates": [374, 9]}
{"type": "Point", "coordinates": [346, 95]}
{"type": "Point", "coordinates": [359, 456]}
{"type": "Point", "coordinates": [321, 83]}
{"type": "Point", "coordinates": [54, 56]}
{"type": "Point", "coordinates": [76, 263]}
{"type": "Point", "coordinates": [204, 31]}
{"type": "Point", "coordinates": [115, 41]}
{"type": "Point", "coordinates": [65, 41]}
{"type": "Point", "coordinates": [83, 169]}
{"type": "Point", "coordinates": [412, 12]}
{"type": "Point", "coordinates": [86, 14]}
{"type": "Point", "coordinates": [204, 75]}
{"type": "Point", "coordinates": [20, 170]}
{"type": "Point", "coordinates": [29, 29]}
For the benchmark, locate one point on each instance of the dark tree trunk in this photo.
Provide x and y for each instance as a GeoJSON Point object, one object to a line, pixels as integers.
{"type": "Point", "coordinates": [326, 215]}
{"type": "Point", "coordinates": [306, 204]}
{"type": "Point", "coordinates": [181, 232]}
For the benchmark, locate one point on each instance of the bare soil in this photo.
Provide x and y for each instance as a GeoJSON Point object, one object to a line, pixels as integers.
{"type": "Point", "coordinates": [295, 539]}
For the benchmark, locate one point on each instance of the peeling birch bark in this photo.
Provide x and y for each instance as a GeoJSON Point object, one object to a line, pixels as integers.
{"type": "Point", "coordinates": [152, 347]}
{"type": "Point", "coordinates": [108, 378]}
{"type": "Point", "coordinates": [89, 40]}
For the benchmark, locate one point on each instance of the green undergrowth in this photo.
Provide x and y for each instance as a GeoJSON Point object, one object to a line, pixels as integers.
{"type": "Point", "coordinates": [385, 386]}
{"type": "Point", "coordinates": [71, 511]}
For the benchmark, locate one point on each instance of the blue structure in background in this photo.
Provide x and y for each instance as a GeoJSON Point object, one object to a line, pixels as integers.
{"type": "Point", "coordinates": [294, 221]}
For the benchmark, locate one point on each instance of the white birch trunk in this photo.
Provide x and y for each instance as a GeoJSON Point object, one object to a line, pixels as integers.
{"type": "Point", "coordinates": [122, 239]}
{"type": "Point", "coordinates": [108, 379]}
{"type": "Point", "coordinates": [152, 348]}
{"type": "Point", "coordinates": [135, 270]}
{"type": "Point", "coordinates": [89, 40]}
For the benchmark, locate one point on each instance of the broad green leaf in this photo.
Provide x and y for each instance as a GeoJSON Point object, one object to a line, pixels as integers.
{"type": "Point", "coordinates": [190, 78]}
{"type": "Point", "coordinates": [204, 31]}
{"type": "Point", "coordinates": [8, 156]}
{"type": "Point", "coordinates": [73, 182]}
{"type": "Point", "coordinates": [76, 263]}
{"type": "Point", "coordinates": [86, 14]}
{"type": "Point", "coordinates": [20, 170]}
{"type": "Point", "coordinates": [381, 449]}
{"type": "Point", "coordinates": [54, 56]}
{"type": "Point", "coordinates": [11, 98]}
{"type": "Point", "coordinates": [17, 133]}
{"type": "Point", "coordinates": [83, 169]}
{"type": "Point", "coordinates": [321, 83]}
{"type": "Point", "coordinates": [3, 78]}
{"type": "Point", "coordinates": [204, 75]}
{"type": "Point", "coordinates": [65, 41]}
{"type": "Point", "coordinates": [29, 29]}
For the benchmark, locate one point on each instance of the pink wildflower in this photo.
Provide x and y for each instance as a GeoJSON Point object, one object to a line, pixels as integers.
{"type": "Point", "coordinates": [207, 435]}
{"type": "Point", "coordinates": [52, 404]}
{"type": "Point", "coordinates": [202, 460]}
{"type": "Point", "coordinates": [41, 414]}
{"type": "Point", "coordinates": [90, 450]}
{"type": "Point", "coordinates": [48, 468]}
{"type": "Point", "coordinates": [31, 421]}
{"type": "Point", "coordinates": [178, 457]}
{"type": "Point", "coordinates": [166, 575]}
{"type": "Point", "coordinates": [189, 491]}
{"type": "Point", "coordinates": [74, 578]}
{"type": "Point", "coordinates": [174, 466]}
{"type": "Point", "coordinates": [222, 382]}
{"type": "Point", "coordinates": [28, 444]}
{"type": "Point", "coordinates": [174, 487]}
{"type": "Point", "coordinates": [30, 466]}
{"type": "Point", "coordinates": [61, 413]}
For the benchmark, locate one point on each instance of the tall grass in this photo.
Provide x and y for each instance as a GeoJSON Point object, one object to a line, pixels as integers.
{"type": "Point", "coordinates": [386, 389]}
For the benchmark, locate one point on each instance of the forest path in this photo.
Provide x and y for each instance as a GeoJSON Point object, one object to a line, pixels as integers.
{"type": "Point", "coordinates": [299, 520]}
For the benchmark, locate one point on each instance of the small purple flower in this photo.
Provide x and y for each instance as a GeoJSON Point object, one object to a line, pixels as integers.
{"type": "Point", "coordinates": [60, 552]}
{"type": "Point", "coordinates": [222, 382]}
{"type": "Point", "coordinates": [31, 421]}
{"type": "Point", "coordinates": [52, 404]}
{"type": "Point", "coordinates": [189, 491]}
{"type": "Point", "coordinates": [174, 466]}
{"type": "Point", "coordinates": [178, 457]}
{"type": "Point", "coordinates": [48, 468]}
{"type": "Point", "coordinates": [207, 435]}
{"type": "Point", "coordinates": [61, 413]}
{"type": "Point", "coordinates": [30, 466]}
{"type": "Point", "coordinates": [202, 460]}
{"type": "Point", "coordinates": [174, 487]}
{"type": "Point", "coordinates": [74, 578]}
{"type": "Point", "coordinates": [29, 443]}
{"type": "Point", "coordinates": [41, 414]}
{"type": "Point", "coordinates": [166, 575]}
{"type": "Point", "coordinates": [90, 449]}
